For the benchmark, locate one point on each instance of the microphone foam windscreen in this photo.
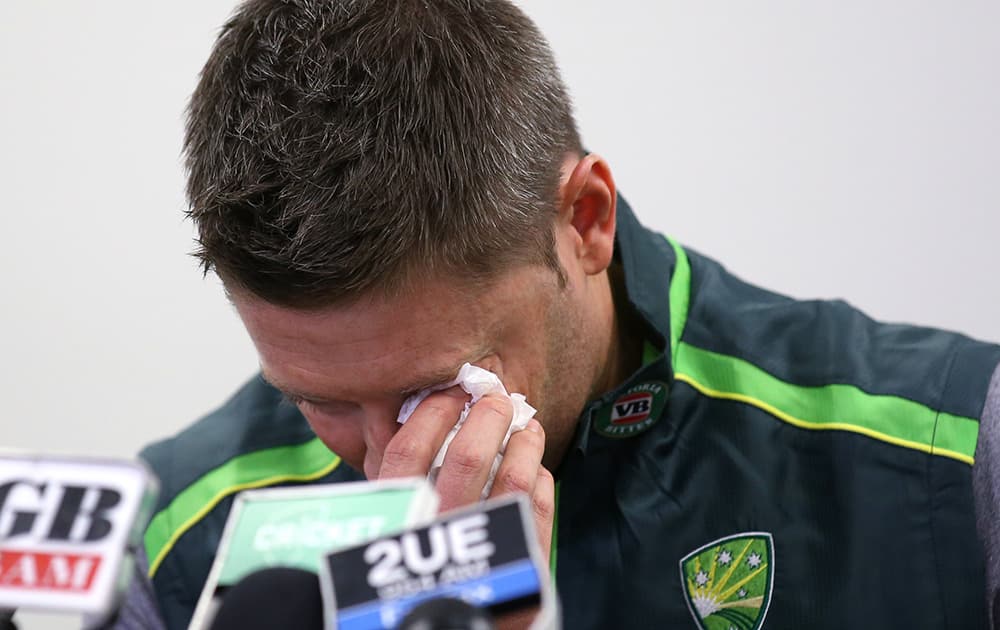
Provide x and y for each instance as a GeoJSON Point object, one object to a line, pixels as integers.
{"type": "Point", "coordinates": [277, 597]}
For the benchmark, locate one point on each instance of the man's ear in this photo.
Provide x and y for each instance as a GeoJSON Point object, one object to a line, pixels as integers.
{"type": "Point", "coordinates": [587, 207]}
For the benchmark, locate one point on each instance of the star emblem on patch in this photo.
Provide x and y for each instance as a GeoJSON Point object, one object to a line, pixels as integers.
{"type": "Point", "coordinates": [701, 579]}
{"type": "Point", "coordinates": [725, 557]}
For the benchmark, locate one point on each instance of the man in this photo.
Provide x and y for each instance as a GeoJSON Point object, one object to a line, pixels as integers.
{"type": "Point", "coordinates": [391, 189]}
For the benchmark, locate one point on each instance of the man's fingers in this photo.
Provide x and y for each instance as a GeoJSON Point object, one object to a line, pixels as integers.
{"type": "Point", "coordinates": [470, 456]}
{"type": "Point", "coordinates": [519, 467]}
{"type": "Point", "coordinates": [543, 504]}
{"type": "Point", "coordinates": [410, 452]}
{"type": "Point", "coordinates": [522, 471]}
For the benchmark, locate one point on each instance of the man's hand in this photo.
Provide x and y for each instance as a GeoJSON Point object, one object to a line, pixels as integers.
{"type": "Point", "coordinates": [470, 456]}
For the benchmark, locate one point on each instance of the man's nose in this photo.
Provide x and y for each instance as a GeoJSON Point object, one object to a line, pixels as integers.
{"type": "Point", "coordinates": [379, 427]}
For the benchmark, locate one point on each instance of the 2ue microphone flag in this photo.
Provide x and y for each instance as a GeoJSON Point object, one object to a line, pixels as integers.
{"type": "Point", "coordinates": [487, 555]}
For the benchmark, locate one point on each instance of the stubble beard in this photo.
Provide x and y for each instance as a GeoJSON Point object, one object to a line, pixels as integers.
{"type": "Point", "coordinates": [568, 375]}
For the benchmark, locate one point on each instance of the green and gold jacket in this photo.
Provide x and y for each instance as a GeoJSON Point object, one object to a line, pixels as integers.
{"type": "Point", "coordinates": [775, 463]}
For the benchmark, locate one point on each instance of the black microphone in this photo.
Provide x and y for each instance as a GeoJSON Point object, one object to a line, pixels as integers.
{"type": "Point", "coordinates": [277, 597]}
{"type": "Point", "coordinates": [283, 597]}
{"type": "Point", "coordinates": [7, 620]}
{"type": "Point", "coordinates": [447, 613]}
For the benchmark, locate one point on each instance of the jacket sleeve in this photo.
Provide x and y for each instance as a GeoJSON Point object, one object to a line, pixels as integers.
{"type": "Point", "coordinates": [986, 495]}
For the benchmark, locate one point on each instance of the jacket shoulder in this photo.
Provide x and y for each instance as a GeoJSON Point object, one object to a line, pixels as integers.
{"type": "Point", "coordinates": [817, 343]}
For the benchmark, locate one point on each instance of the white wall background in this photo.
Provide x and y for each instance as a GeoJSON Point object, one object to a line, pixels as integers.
{"type": "Point", "coordinates": [824, 149]}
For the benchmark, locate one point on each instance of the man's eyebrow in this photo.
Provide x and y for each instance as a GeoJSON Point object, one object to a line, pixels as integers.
{"type": "Point", "coordinates": [431, 379]}
{"type": "Point", "coordinates": [288, 392]}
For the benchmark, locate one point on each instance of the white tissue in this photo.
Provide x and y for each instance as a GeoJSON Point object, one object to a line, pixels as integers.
{"type": "Point", "coordinates": [476, 382]}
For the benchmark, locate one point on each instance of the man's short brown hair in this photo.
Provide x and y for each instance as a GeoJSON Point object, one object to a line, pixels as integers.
{"type": "Point", "coordinates": [336, 147]}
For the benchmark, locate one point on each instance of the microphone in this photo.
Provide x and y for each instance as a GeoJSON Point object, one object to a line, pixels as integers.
{"type": "Point", "coordinates": [278, 597]}
{"type": "Point", "coordinates": [283, 597]}
{"type": "Point", "coordinates": [7, 620]}
{"type": "Point", "coordinates": [486, 556]}
{"type": "Point", "coordinates": [69, 527]}
{"type": "Point", "coordinates": [447, 613]}
{"type": "Point", "coordinates": [293, 527]}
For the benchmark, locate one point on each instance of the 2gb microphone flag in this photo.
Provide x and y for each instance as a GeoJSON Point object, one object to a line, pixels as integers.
{"type": "Point", "coordinates": [68, 530]}
{"type": "Point", "coordinates": [294, 527]}
{"type": "Point", "coordinates": [487, 555]}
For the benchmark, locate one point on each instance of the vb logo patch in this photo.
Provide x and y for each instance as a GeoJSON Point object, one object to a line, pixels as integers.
{"type": "Point", "coordinates": [728, 582]}
{"type": "Point", "coordinates": [633, 412]}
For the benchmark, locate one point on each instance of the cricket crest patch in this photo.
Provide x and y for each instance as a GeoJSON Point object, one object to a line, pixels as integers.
{"type": "Point", "coordinates": [728, 582]}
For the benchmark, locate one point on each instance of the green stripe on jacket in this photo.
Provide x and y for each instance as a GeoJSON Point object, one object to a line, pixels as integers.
{"type": "Point", "coordinates": [890, 419]}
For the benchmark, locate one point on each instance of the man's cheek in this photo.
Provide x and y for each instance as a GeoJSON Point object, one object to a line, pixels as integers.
{"type": "Point", "coordinates": [343, 437]}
